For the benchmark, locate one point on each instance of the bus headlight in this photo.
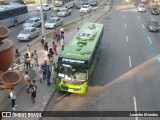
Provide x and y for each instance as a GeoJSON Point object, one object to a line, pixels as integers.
{"type": "Point", "coordinates": [84, 86]}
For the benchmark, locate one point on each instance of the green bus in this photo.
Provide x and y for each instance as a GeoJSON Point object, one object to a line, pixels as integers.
{"type": "Point", "coordinates": [77, 61]}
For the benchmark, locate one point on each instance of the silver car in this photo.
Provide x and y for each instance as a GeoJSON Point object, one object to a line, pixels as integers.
{"type": "Point", "coordinates": [32, 22]}
{"type": "Point", "coordinates": [28, 33]}
{"type": "Point", "coordinates": [64, 12]}
{"type": "Point", "coordinates": [53, 22]}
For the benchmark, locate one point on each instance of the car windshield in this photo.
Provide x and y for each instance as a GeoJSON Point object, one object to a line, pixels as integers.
{"type": "Point", "coordinates": [51, 20]}
{"type": "Point", "coordinates": [72, 74]}
{"type": "Point", "coordinates": [142, 6]}
{"type": "Point", "coordinates": [29, 21]}
{"type": "Point", "coordinates": [154, 23]}
{"type": "Point", "coordinates": [84, 6]}
{"type": "Point", "coordinates": [63, 10]}
{"type": "Point", "coordinates": [25, 31]}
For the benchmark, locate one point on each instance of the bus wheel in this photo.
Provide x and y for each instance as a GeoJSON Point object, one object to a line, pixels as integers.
{"type": "Point", "coordinates": [15, 23]}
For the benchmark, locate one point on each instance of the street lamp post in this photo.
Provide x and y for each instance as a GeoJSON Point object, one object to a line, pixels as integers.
{"type": "Point", "coordinates": [42, 19]}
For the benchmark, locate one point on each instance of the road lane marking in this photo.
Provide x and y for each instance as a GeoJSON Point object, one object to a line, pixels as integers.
{"type": "Point", "coordinates": [130, 62]}
{"type": "Point", "coordinates": [125, 25]}
{"type": "Point", "coordinates": [158, 59]}
{"type": "Point", "coordinates": [139, 17]}
{"type": "Point", "coordinates": [127, 38]}
{"type": "Point", "coordinates": [135, 106]}
{"type": "Point", "coordinates": [149, 40]}
{"type": "Point", "coordinates": [142, 25]}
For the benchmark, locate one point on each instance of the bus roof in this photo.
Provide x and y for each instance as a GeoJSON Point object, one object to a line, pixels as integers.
{"type": "Point", "coordinates": [84, 42]}
{"type": "Point", "coordinates": [8, 7]}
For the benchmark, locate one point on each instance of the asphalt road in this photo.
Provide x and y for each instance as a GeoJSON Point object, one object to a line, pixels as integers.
{"type": "Point", "coordinates": [16, 30]}
{"type": "Point", "coordinates": [127, 74]}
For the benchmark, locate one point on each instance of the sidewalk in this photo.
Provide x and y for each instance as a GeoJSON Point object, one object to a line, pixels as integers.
{"type": "Point", "coordinates": [43, 91]}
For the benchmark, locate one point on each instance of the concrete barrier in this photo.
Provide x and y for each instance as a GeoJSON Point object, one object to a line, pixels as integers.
{"type": "Point", "coordinates": [4, 100]}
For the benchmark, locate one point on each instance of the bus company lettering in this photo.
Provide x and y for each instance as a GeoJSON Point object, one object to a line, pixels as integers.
{"type": "Point", "coordinates": [72, 61]}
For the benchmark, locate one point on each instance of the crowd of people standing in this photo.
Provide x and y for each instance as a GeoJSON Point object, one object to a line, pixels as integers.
{"type": "Point", "coordinates": [46, 71]}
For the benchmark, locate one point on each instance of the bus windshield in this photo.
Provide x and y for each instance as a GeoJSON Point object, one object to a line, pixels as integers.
{"type": "Point", "coordinates": [72, 74]}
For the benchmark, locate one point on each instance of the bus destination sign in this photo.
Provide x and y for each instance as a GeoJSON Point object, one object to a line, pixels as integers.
{"type": "Point", "coordinates": [73, 61]}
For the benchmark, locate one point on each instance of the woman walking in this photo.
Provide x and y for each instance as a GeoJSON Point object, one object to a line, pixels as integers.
{"type": "Point", "coordinates": [46, 49]}
{"type": "Point", "coordinates": [17, 58]}
{"type": "Point", "coordinates": [54, 47]}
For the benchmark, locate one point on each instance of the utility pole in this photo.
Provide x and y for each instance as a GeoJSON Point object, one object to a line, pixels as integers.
{"type": "Point", "coordinates": [42, 19]}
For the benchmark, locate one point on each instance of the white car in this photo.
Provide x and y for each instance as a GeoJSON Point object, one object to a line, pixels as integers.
{"type": "Point", "coordinates": [85, 8]}
{"type": "Point", "coordinates": [45, 7]}
{"type": "Point", "coordinates": [64, 12]}
{"type": "Point", "coordinates": [53, 22]}
{"type": "Point", "coordinates": [28, 33]}
{"type": "Point", "coordinates": [32, 22]}
{"type": "Point", "coordinates": [141, 8]}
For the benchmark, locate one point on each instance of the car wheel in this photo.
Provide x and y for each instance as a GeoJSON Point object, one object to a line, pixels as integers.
{"type": "Point", "coordinates": [70, 13]}
{"type": "Point", "coordinates": [29, 39]}
{"type": "Point", "coordinates": [37, 34]}
{"type": "Point", "coordinates": [15, 23]}
{"type": "Point", "coordinates": [49, 8]}
{"type": "Point", "coordinates": [39, 25]}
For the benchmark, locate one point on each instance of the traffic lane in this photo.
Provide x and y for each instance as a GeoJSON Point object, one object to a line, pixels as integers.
{"type": "Point", "coordinates": [152, 38]}
{"type": "Point", "coordinates": [114, 50]}
{"type": "Point", "coordinates": [139, 50]}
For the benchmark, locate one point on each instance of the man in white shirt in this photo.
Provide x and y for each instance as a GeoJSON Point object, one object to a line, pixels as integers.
{"type": "Point", "coordinates": [62, 30]}
{"type": "Point", "coordinates": [13, 98]}
{"type": "Point", "coordinates": [26, 77]}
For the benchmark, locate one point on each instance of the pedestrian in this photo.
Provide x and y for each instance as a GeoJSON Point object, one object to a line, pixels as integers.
{"type": "Point", "coordinates": [40, 73]}
{"type": "Point", "coordinates": [53, 15]}
{"type": "Point", "coordinates": [62, 30]}
{"type": "Point", "coordinates": [48, 75]}
{"type": "Point", "coordinates": [54, 47]}
{"type": "Point", "coordinates": [50, 56]}
{"type": "Point", "coordinates": [33, 91]}
{"type": "Point", "coordinates": [54, 34]}
{"type": "Point", "coordinates": [46, 49]}
{"type": "Point", "coordinates": [45, 70]}
{"type": "Point", "coordinates": [35, 57]}
{"type": "Point", "coordinates": [58, 37]}
{"type": "Point", "coordinates": [42, 41]}
{"type": "Point", "coordinates": [28, 60]}
{"type": "Point", "coordinates": [26, 77]}
{"type": "Point", "coordinates": [17, 58]}
{"type": "Point", "coordinates": [13, 98]}
{"type": "Point", "coordinates": [28, 50]}
{"type": "Point", "coordinates": [62, 44]}
{"type": "Point", "coordinates": [62, 36]}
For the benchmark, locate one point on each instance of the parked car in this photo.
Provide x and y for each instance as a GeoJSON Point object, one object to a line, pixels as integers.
{"type": "Point", "coordinates": [78, 5]}
{"type": "Point", "coordinates": [153, 26]}
{"type": "Point", "coordinates": [154, 11]}
{"type": "Point", "coordinates": [28, 33]}
{"type": "Point", "coordinates": [53, 22]}
{"type": "Point", "coordinates": [85, 8]}
{"type": "Point", "coordinates": [64, 12]}
{"type": "Point", "coordinates": [45, 7]}
{"type": "Point", "coordinates": [32, 22]}
{"type": "Point", "coordinates": [141, 8]}
{"type": "Point", "coordinates": [94, 2]}
{"type": "Point", "coordinates": [38, 15]}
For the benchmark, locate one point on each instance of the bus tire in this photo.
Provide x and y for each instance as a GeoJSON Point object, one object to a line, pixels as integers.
{"type": "Point", "coordinates": [15, 23]}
